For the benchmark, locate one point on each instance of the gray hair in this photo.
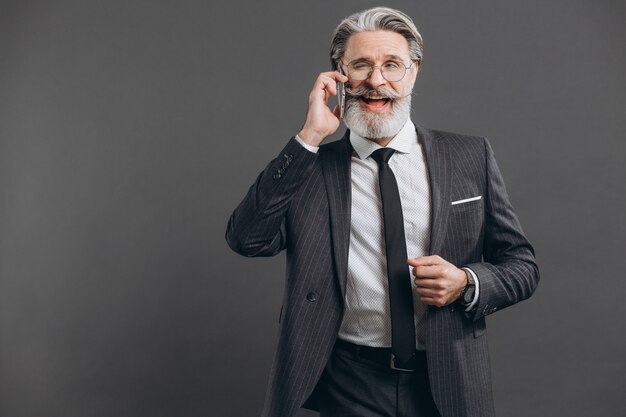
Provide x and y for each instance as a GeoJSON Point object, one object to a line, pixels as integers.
{"type": "Point", "coordinates": [377, 18]}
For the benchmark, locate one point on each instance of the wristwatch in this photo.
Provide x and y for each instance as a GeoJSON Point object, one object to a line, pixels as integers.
{"type": "Point", "coordinates": [467, 295]}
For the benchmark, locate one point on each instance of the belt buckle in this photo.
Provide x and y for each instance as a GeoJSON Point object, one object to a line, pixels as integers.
{"type": "Point", "coordinates": [392, 365]}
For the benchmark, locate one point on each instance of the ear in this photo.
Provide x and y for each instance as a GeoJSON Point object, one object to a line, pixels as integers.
{"type": "Point", "coordinates": [414, 70]}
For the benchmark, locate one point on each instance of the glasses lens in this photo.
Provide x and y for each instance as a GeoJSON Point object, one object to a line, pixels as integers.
{"type": "Point", "coordinates": [394, 71]}
{"type": "Point", "coordinates": [393, 74]}
{"type": "Point", "coordinates": [391, 71]}
{"type": "Point", "coordinates": [359, 71]}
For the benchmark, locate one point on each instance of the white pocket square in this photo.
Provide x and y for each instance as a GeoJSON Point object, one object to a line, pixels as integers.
{"type": "Point", "coordinates": [466, 200]}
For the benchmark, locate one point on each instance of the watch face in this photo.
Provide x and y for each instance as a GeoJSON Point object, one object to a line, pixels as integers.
{"type": "Point", "coordinates": [468, 294]}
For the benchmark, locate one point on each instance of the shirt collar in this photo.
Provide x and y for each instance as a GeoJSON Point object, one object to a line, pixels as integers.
{"type": "Point", "coordinates": [402, 142]}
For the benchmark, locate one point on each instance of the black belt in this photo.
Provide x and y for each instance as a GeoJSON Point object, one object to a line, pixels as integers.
{"type": "Point", "coordinates": [384, 357]}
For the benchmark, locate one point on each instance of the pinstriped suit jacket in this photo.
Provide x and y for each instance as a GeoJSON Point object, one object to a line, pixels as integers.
{"type": "Point", "coordinates": [301, 203]}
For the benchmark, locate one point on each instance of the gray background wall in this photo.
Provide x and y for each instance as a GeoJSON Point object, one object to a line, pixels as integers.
{"type": "Point", "coordinates": [129, 130]}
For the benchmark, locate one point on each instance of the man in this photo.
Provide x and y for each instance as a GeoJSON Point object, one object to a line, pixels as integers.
{"type": "Point", "coordinates": [399, 239]}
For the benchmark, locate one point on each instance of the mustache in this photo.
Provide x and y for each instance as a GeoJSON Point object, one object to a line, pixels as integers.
{"type": "Point", "coordinates": [364, 91]}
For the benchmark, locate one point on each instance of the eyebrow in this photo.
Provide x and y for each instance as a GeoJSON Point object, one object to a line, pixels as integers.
{"type": "Point", "coordinates": [394, 57]}
{"type": "Point", "coordinates": [387, 58]}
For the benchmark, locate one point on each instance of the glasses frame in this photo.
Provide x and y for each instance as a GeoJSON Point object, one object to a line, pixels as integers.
{"type": "Point", "coordinates": [373, 68]}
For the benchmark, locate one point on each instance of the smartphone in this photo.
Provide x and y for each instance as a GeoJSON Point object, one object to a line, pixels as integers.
{"type": "Point", "coordinates": [341, 98]}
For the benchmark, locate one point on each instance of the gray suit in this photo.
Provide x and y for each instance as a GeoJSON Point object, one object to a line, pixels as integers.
{"type": "Point", "coordinates": [301, 203]}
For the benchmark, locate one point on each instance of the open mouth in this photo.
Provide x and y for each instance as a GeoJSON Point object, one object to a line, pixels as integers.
{"type": "Point", "coordinates": [375, 103]}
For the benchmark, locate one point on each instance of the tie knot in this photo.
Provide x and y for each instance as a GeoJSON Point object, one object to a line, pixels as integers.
{"type": "Point", "coordinates": [382, 155]}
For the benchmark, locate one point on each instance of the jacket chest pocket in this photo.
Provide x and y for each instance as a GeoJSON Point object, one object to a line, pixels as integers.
{"type": "Point", "coordinates": [465, 229]}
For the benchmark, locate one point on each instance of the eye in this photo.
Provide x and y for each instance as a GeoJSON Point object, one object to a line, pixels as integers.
{"type": "Point", "coordinates": [358, 66]}
{"type": "Point", "coordinates": [392, 65]}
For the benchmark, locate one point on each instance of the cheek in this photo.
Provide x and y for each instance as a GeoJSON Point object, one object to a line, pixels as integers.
{"type": "Point", "coordinates": [354, 84]}
{"type": "Point", "coordinates": [403, 87]}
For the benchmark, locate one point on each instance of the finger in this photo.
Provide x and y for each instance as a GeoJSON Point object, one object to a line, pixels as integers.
{"type": "Point", "coordinates": [337, 111]}
{"type": "Point", "coordinates": [425, 260]}
{"type": "Point", "coordinates": [432, 298]}
{"type": "Point", "coordinates": [425, 291]}
{"type": "Point", "coordinates": [329, 79]}
{"type": "Point", "coordinates": [336, 76]}
{"type": "Point", "coordinates": [330, 86]}
{"type": "Point", "coordinates": [428, 271]}
{"type": "Point", "coordinates": [427, 284]}
{"type": "Point", "coordinates": [324, 87]}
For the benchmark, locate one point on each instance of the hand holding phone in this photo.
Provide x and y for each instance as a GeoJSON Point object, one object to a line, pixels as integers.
{"type": "Point", "coordinates": [322, 121]}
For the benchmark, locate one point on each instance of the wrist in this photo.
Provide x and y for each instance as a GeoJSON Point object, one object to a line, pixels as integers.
{"type": "Point", "coordinates": [310, 137]}
{"type": "Point", "coordinates": [467, 294]}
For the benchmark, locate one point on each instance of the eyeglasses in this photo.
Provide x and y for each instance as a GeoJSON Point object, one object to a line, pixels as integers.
{"type": "Point", "coordinates": [392, 71]}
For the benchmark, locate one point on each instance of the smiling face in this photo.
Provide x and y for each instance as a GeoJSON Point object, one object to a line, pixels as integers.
{"type": "Point", "coordinates": [375, 107]}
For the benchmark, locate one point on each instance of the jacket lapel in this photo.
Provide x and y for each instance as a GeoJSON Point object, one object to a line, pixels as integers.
{"type": "Point", "coordinates": [440, 175]}
{"type": "Point", "coordinates": [335, 159]}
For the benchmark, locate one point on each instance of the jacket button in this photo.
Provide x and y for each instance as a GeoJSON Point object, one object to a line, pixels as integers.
{"type": "Point", "coordinates": [312, 297]}
{"type": "Point", "coordinates": [276, 176]}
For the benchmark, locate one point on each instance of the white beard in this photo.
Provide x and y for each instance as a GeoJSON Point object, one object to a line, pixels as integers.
{"type": "Point", "coordinates": [376, 126]}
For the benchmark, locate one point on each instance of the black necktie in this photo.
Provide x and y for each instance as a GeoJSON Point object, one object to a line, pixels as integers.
{"type": "Point", "coordinates": [400, 290]}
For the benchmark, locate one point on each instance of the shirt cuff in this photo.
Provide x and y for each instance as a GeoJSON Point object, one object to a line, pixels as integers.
{"type": "Point", "coordinates": [306, 146]}
{"type": "Point", "coordinates": [476, 291]}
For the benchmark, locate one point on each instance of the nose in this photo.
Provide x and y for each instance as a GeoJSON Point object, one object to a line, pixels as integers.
{"type": "Point", "coordinates": [376, 78]}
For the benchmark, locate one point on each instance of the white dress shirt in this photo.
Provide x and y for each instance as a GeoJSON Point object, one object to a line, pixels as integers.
{"type": "Point", "coordinates": [367, 319]}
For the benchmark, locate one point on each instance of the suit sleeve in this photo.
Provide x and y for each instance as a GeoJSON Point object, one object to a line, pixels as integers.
{"type": "Point", "coordinates": [257, 226]}
{"type": "Point", "coordinates": [508, 273]}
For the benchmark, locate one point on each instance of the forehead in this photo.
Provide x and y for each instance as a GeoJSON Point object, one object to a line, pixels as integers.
{"type": "Point", "coordinates": [376, 45]}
